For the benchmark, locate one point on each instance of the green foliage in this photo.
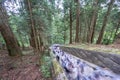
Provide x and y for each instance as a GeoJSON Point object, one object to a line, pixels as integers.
{"type": "Point", "coordinates": [45, 67]}
{"type": "Point", "coordinates": [51, 19]}
{"type": "Point", "coordinates": [1, 39]}
{"type": "Point", "coordinates": [20, 28]}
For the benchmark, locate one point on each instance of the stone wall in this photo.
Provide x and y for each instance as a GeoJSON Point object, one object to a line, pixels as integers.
{"type": "Point", "coordinates": [105, 60]}
{"type": "Point", "coordinates": [68, 65]}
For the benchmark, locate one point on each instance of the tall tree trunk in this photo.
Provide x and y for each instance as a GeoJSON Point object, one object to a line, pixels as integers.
{"type": "Point", "coordinates": [77, 21]}
{"type": "Point", "coordinates": [39, 40]}
{"type": "Point", "coordinates": [21, 40]}
{"type": "Point", "coordinates": [93, 32]}
{"type": "Point", "coordinates": [105, 22]}
{"type": "Point", "coordinates": [86, 39]}
{"type": "Point", "coordinates": [27, 39]}
{"type": "Point", "coordinates": [93, 21]}
{"type": "Point", "coordinates": [70, 12]}
{"type": "Point", "coordinates": [11, 41]}
{"type": "Point", "coordinates": [110, 38]}
{"type": "Point", "coordinates": [32, 33]}
{"type": "Point", "coordinates": [36, 40]}
{"type": "Point", "coordinates": [64, 37]}
{"type": "Point", "coordinates": [80, 28]}
{"type": "Point", "coordinates": [117, 29]}
{"type": "Point", "coordinates": [88, 30]}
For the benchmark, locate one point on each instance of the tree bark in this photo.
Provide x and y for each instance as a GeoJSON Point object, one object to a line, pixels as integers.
{"type": "Point", "coordinates": [110, 38]}
{"type": "Point", "coordinates": [64, 37]}
{"type": "Point", "coordinates": [88, 31]}
{"type": "Point", "coordinates": [117, 29]}
{"type": "Point", "coordinates": [21, 40]}
{"type": "Point", "coordinates": [33, 39]}
{"type": "Point", "coordinates": [105, 22]}
{"type": "Point", "coordinates": [86, 35]}
{"type": "Point", "coordinates": [77, 21]}
{"type": "Point", "coordinates": [39, 41]}
{"type": "Point", "coordinates": [93, 21]}
{"type": "Point", "coordinates": [11, 41]}
{"type": "Point", "coordinates": [70, 12]}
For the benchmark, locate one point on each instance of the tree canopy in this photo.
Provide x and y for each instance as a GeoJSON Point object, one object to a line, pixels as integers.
{"type": "Point", "coordinates": [42, 22]}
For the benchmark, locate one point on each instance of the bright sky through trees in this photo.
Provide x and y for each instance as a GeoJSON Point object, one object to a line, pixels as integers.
{"type": "Point", "coordinates": [12, 6]}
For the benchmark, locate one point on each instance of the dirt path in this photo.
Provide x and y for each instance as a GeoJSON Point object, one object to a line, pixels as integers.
{"type": "Point", "coordinates": [20, 68]}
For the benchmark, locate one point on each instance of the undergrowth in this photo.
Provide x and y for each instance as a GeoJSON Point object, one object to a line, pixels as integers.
{"type": "Point", "coordinates": [45, 66]}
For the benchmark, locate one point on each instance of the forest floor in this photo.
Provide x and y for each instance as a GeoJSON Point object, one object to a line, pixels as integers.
{"type": "Point", "coordinates": [20, 68]}
{"type": "Point", "coordinates": [113, 48]}
{"type": "Point", "coordinates": [27, 67]}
